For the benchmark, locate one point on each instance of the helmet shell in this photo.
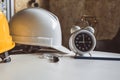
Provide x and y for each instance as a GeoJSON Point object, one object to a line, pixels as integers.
{"type": "Point", "coordinates": [6, 42]}
{"type": "Point", "coordinates": [36, 26]}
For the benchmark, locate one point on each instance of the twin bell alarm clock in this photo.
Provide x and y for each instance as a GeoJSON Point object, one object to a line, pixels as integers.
{"type": "Point", "coordinates": [82, 40]}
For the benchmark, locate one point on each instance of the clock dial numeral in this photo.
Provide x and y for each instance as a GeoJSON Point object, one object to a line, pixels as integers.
{"type": "Point", "coordinates": [79, 47]}
{"type": "Point", "coordinates": [79, 35]}
{"type": "Point", "coordinates": [90, 42]}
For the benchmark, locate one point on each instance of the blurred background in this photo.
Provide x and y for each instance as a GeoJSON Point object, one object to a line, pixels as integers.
{"type": "Point", "coordinates": [69, 12]}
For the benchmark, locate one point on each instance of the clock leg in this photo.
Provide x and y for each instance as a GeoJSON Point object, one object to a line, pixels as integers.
{"type": "Point", "coordinates": [77, 54]}
{"type": "Point", "coordinates": [81, 56]}
{"type": "Point", "coordinates": [90, 54]}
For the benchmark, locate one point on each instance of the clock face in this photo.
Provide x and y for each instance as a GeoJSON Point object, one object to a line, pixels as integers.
{"type": "Point", "coordinates": [83, 41]}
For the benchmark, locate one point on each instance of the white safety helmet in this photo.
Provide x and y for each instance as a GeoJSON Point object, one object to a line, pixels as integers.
{"type": "Point", "coordinates": [36, 26]}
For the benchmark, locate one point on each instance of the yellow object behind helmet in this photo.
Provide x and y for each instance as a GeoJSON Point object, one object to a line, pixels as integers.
{"type": "Point", "coordinates": [6, 42]}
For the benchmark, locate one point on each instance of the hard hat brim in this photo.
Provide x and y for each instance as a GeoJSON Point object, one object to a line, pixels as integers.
{"type": "Point", "coordinates": [63, 50]}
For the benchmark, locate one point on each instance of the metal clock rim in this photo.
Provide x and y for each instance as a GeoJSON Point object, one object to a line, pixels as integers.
{"type": "Point", "coordinates": [73, 45]}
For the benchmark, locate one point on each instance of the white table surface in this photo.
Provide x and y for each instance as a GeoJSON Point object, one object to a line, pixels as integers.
{"type": "Point", "coordinates": [31, 67]}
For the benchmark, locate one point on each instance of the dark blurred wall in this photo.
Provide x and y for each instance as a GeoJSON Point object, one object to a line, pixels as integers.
{"type": "Point", "coordinates": [108, 14]}
{"type": "Point", "coordinates": [69, 13]}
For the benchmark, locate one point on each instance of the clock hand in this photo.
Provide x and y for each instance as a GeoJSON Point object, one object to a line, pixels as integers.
{"type": "Point", "coordinates": [83, 38]}
{"type": "Point", "coordinates": [81, 42]}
